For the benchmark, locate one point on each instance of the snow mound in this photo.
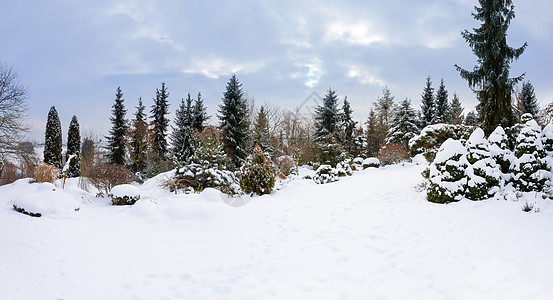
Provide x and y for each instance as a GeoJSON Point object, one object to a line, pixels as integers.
{"type": "Point", "coordinates": [40, 199]}
{"type": "Point", "coordinates": [123, 190]}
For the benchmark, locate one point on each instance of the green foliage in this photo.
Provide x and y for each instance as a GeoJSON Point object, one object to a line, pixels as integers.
{"type": "Point", "coordinates": [432, 137]}
{"type": "Point", "coordinates": [327, 116]}
{"type": "Point", "coordinates": [181, 137]}
{"type": "Point", "coordinates": [456, 112]}
{"type": "Point", "coordinates": [330, 151]}
{"type": "Point", "coordinates": [428, 104]}
{"type": "Point", "coordinates": [325, 174]}
{"type": "Point", "coordinates": [74, 147]}
{"type": "Point", "coordinates": [139, 139]}
{"type": "Point", "coordinates": [116, 139]}
{"type": "Point", "coordinates": [257, 174]}
{"type": "Point", "coordinates": [160, 110]}
{"type": "Point", "coordinates": [53, 141]}
{"type": "Point", "coordinates": [404, 125]}
{"type": "Point", "coordinates": [483, 174]}
{"type": "Point", "coordinates": [447, 179]}
{"type": "Point", "coordinates": [442, 108]}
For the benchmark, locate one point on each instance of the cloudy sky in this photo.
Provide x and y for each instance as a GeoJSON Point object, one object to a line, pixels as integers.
{"type": "Point", "coordinates": [74, 54]}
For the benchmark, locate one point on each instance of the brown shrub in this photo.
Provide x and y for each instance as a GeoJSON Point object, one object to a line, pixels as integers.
{"type": "Point", "coordinates": [106, 176]}
{"type": "Point", "coordinates": [392, 153]}
{"type": "Point", "coordinates": [285, 164]}
{"type": "Point", "coordinates": [46, 173]}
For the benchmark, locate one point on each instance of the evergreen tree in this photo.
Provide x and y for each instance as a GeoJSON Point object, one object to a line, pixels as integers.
{"type": "Point", "coordinates": [529, 100]}
{"type": "Point", "coordinates": [483, 173]}
{"type": "Point", "coordinates": [456, 112]}
{"type": "Point", "coordinates": [348, 126]}
{"type": "Point", "coordinates": [181, 137]}
{"type": "Point", "coordinates": [74, 148]}
{"type": "Point", "coordinates": [472, 119]}
{"type": "Point", "coordinates": [375, 134]}
{"type": "Point", "coordinates": [139, 139]}
{"type": "Point", "coordinates": [427, 107]}
{"type": "Point", "coordinates": [234, 121]}
{"type": "Point", "coordinates": [442, 105]}
{"type": "Point", "coordinates": [257, 174]}
{"type": "Point", "coordinates": [116, 139]}
{"type": "Point", "coordinates": [404, 125]}
{"type": "Point", "coordinates": [53, 141]}
{"type": "Point", "coordinates": [159, 112]}
{"type": "Point", "coordinates": [384, 107]}
{"type": "Point", "coordinates": [490, 77]}
{"type": "Point", "coordinates": [260, 134]}
{"type": "Point", "coordinates": [327, 116]}
{"type": "Point", "coordinates": [199, 114]}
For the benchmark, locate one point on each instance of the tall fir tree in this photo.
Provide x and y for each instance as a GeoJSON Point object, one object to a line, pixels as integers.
{"type": "Point", "coordinates": [490, 77]}
{"type": "Point", "coordinates": [348, 126]}
{"type": "Point", "coordinates": [456, 112]}
{"type": "Point", "coordinates": [200, 116]}
{"type": "Point", "coordinates": [327, 116]}
{"type": "Point", "coordinates": [384, 107]}
{"type": "Point", "coordinates": [404, 125]}
{"type": "Point", "coordinates": [53, 140]}
{"type": "Point", "coordinates": [428, 104]}
{"type": "Point", "coordinates": [234, 122]}
{"type": "Point", "coordinates": [74, 148]}
{"type": "Point", "coordinates": [160, 122]}
{"type": "Point", "coordinates": [181, 138]}
{"type": "Point", "coordinates": [529, 100]}
{"type": "Point", "coordinates": [139, 139]}
{"type": "Point", "coordinates": [260, 132]}
{"type": "Point", "coordinates": [442, 104]}
{"type": "Point", "coordinates": [116, 139]}
{"type": "Point", "coordinates": [472, 119]}
{"type": "Point", "coordinates": [375, 134]}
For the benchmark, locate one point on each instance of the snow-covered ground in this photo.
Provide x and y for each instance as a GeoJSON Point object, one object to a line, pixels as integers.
{"type": "Point", "coordinates": [369, 236]}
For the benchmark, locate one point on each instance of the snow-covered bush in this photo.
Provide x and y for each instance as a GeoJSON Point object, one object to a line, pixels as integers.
{"type": "Point", "coordinates": [46, 173]}
{"type": "Point", "coordinates": [325, 174]}
{"type": "Point", "coordinates": [285, 164]}
{"type": "Point", "coordinates": [483, 174]}
{"type": "Point", "coordinates": [392, 153]}
{"type": "Point", "coordinates": [124, 194]}
{"type": "Point", "coordinates": [530, 168]}
{"type": "Point", "coordinates": [344, 169]}
{"type": "Point", "coordinates": [106, 176]}
{"type": "Point", "coordinates": [330, 151]}
{"type": "Point", "coordinates": [371, 162]}
{"type": "Point", "coordinates": [257, 175]}
{"type": "Point", "coordinates": [447, 178]}
{"type": "Point", "coordinates": [547, 140]}
{"type": "Point", "coordinates": [432, 136]}
{"type": "Point", "coordinates": [499, 150]}
{"type": "Point", "coordinates": [357, 164]}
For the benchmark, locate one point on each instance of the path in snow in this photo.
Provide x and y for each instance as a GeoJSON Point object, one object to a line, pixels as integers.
{"type": "Point", "coordinates": [369, 236]}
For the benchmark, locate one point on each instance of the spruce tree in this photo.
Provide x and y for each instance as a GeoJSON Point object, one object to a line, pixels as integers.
{"type": "Point", "coordinates": [181, 137]}
{"type": "Point", "coordinates": [490, 77]}
{"type": "Point", "coordinates": [472, 119]}
{"type": "Point", "coordinates": [384, 107]}
{"type": "Point", "coordinates": [456, 112]}
{"type": "Point", "coordinates": [116, 139]}
{"type": "Point", "coordinates": [200, 116]}
{"type": "Point", "coordinates": [53, 140]}
{"type": "Point", "coordinates": [234, 121]}
{"type": "Point", "coordinates": [442, 105]}
{"type": "Point", "coordinates": [427, 106]}
{"type": "Point", "coordinates": [74, 148]}
{"type": "Point", "coordinates": [348, 126]}
{"type": "Point", "coordinates": [327, 116]}
{"type": "Point", "coordinates": [260, 133]}
{"type": "Point", "coordinates": [160, 122]}
{"type": "Point", "coordinates": [529, 100]}
{"type": "Point", "coordinates": [404, 125]}
{"type": "Point", "coordinates": [139, 139]}
{"type": "Point", "coordinates": [372, 136]}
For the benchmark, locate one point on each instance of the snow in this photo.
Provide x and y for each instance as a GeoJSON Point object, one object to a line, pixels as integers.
{"type": "Point", "coordinates": [367, 236]}
{"type": "Point", "coordinates": [449, 149]}
{"type": "Point", "coordinates": [371, 161]}
{"type": "Point", "coordinates": [123, 190]}
{"type": "Point", "coordinates": [43, 198]}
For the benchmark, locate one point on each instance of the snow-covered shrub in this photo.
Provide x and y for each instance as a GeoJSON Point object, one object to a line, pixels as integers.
{"type": "Point", "coordinates": [330, 151]}
{"type": "Point", "coordinates": [344, 169]}
{"type": "Point", "coordinates": [432, 136]}
{"type": "Point", "coordinates": [483, 174]}
{"type": "Point", "coordinates": [547, 139]}
{"type": "Point", "coordinates": [285, 164]}
{"type": "Point", "coordinates": [46, 173]}
{"type": "Point", "coordinates": [357, 164]}
{"type": "Point", "coordinates": [447, 178]}
{"type": "Point", "coordinates": [392, 153]}
{"type": "Point", "coordinates": [257, 175]}
{"type": "Point", "coordinates": [371, 162]}
{"type": "Point", "coordinates": [106, 176]}
{"type": "Point", "coordinates": [530, 168]}
{"type": "Point", "coordinates": [124, 194]}
{"type": "Point", "coordinates": [499, 149]}
{"type": "Point", "coordinates": [325, 174]}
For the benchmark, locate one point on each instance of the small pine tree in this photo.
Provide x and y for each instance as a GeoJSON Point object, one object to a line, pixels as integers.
{"type": "Point", "coordinates": [530, 168]}
{"type": "Point", "coordinates": [327, 116]}
{"type": "Point", "coordinates": [384, 108]}
{"type": "Point", "coordinates": [257, 174]}
{"type": "Point", "coordinates": [330, 151]}
{"type": "Point", "coordinates": [456, 112]}
{"type": "Point", "coordinates": [116, 139]}
{"type": "Point", "coordinates": [181, 137]}
{"type": "Point", "coordinates": [428, 104]}
{"type": "Point", "coordinates": [234, 122]}
{"type": "Point", "coordinates": [442, 105]}
{"type": "Point", "coordinates": [260, 132]}
{"type": "Point", "coordinates": [447, 178]}
{"type": "Point", "coordinates": [499, 150]}
{"type": "Point", "coordinates": [483, 174]}
{"type": "Point", "coordinates": [404, 125]}
{"type": "Point", "coordinates": [74, 148]}
{"type": "Point", "coordinates": [348, 126]}
{"type": "Point", "coordinates": [374, 135]}
{"type": "Point", "coordinates": [53, 139]}
{"type": "Point", "coordinates": [529, 100]}
{"type": "Point", "coordinates": [139, 139]}
{"type": "Point", "coordinates": [472, 119]}
{"type": "Point", "coordinates": [160, 122]}
{"type": "Point", "coordinates": [200, 116]}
